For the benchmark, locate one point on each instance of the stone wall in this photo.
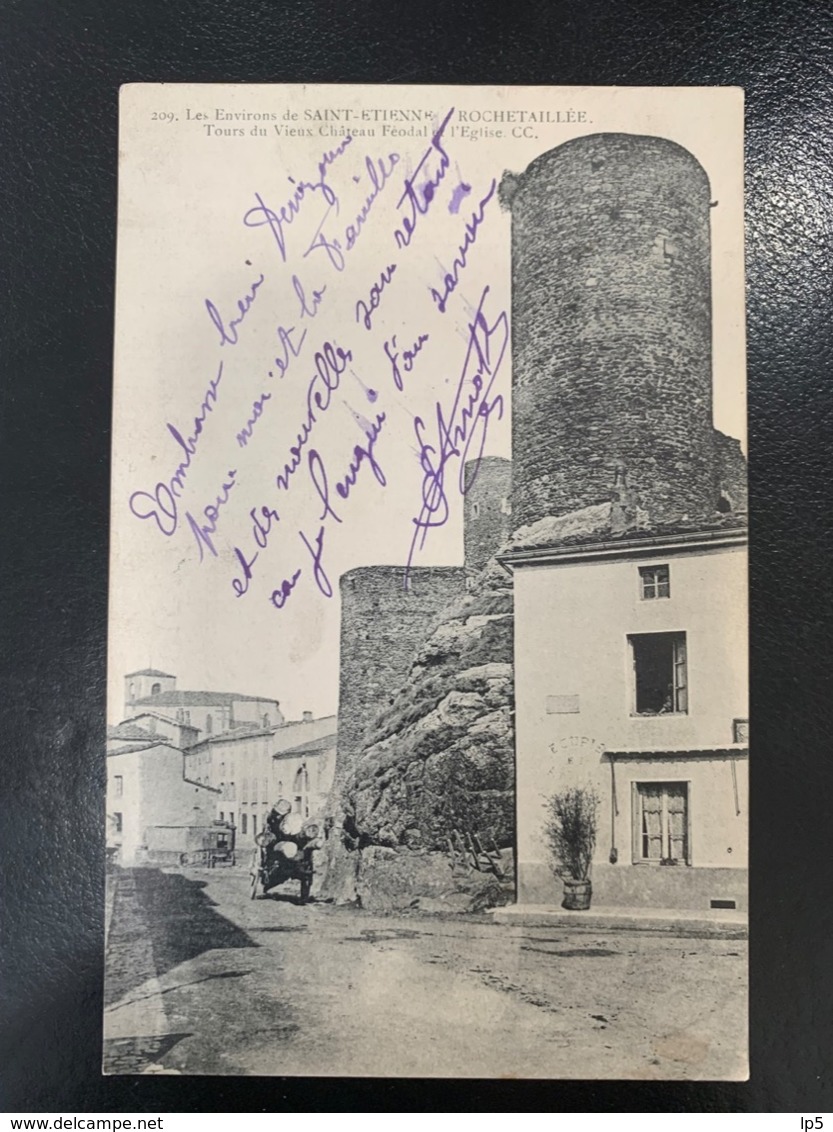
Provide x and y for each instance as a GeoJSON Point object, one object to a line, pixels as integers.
{"type": "Point", "coordinates": [382, 625]}
{"type": "Point", "coordinates": [611, 327]}
{"type": "Point", "coordinates": [731, 472]}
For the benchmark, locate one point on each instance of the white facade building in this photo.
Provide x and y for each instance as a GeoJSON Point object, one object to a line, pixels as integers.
{"type": "Point", "coordinates": [147, 789]}
{"type": "Point", "coordinates": [250, 768]}
{"type": "Point", "coordinates": [631, 678]}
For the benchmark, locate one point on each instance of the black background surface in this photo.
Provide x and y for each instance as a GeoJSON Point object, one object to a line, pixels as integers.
{"type": "Point", "coordinates": [62, 63]}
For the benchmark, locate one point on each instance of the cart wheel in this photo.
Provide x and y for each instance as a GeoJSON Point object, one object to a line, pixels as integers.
{"type": "Point", "coordinates": [306, 887]}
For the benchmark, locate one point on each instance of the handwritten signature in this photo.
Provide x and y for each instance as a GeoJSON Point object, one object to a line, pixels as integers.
{"type": "Point", "coordinates": [460, 430]}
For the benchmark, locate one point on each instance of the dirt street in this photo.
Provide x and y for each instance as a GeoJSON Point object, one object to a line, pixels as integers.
{"type": "Point", "coordinates": [202, 980]}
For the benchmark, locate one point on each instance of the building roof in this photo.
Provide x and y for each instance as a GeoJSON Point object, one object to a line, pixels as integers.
{"type": "Point", "coordinates": [198, 699]}
{"type": "Point", "coordinates": [244, 730]}
{"type": "Point", "coordinates": [739, 750]}
{"type": "Point", "coordinates": [128, 730]}
{"type": "Point", "coordinates": [164, 718]}
{"type": "Point", "coordinates": [308, 747]}
{"type": "Point", "coordinates": [252, 731]}
{"type": "Point", "coordinates": [132, 745]}
{"type": "Point", "coordinates": [592, 528]}
{"type": "Point", "coordinates": [150, 672]}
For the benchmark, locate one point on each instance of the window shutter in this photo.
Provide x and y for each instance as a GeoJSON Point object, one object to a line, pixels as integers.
{"type": "Point", "coordinates": [680, 676]}
{"type": "Point", "coordinates": [636, 825]}
{"type": "Point", "coordinates": [688, 823]}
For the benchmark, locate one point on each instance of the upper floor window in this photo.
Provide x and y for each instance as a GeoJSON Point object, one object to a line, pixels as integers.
{"type": "Point", "coordinates": [660, 666]}
{"type": "Point", "coordinates": [654, 582]}
{"type": "Point", "coordinates": [209, 724]}
{"type": "Point", "coordinates": [155, 688]}
{"type": "Point", "coordinates": [118, 785]}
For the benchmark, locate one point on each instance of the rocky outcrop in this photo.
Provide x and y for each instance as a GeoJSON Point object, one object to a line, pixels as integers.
{"type": "Point", "coordinates": [439, 757]}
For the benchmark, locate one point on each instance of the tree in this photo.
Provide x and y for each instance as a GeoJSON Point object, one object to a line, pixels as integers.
{"type": "Point", "coordinates": [570, 830]}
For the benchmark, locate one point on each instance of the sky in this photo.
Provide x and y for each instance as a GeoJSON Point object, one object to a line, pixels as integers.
{"type": "Point", "coordinates": [264, 269]}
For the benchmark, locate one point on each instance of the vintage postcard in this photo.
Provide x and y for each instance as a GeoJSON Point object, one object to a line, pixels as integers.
{"type": "Point", "coordinates": [428, 744]}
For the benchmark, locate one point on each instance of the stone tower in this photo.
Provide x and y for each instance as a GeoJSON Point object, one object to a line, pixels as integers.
{"type": "Point", "coordinates": [146, 682]}
{"type": "Point", "coordinates": [611, 328]}
{"type": "Point", "coordinates": [382, 625]}
{"type": "Point", "coordinates": [487, 510]}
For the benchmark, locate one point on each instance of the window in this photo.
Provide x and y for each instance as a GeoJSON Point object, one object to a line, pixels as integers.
{"type": "Point", "coordinates": [155, 689]}
{"type": "Point", "coordinates": [209, 724]}
{"type": "Point", "coordinates": [244, 792]}
{"type": "Point", "coordinates": [118, 785]}
{"type": "Point", "coordinates": [266, 721]}
{"type": "Point", "coordinates": [301, 792]}
{"type": "Point", "coordinates": [244, 823]}
{"type": "Point", "coordinates": [475, 510]}
{"type": "Point", "coordinates": [222, 815]}
{"type": "Point", "coordinates": [117, 823]}
{"type": "Point", "coordinates": [254, 825]}
{"type": "Point", "coordinates": [654, 581]}
{"type": "Point", "coordinates": [660, 673]}
{"type": "Point", "coordinates": [661, 832]}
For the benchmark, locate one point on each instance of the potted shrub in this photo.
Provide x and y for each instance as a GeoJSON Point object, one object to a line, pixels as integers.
{"type": "Point", "coordinates": [570, 835]}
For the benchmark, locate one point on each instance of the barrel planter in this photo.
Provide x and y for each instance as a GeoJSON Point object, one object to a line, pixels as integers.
{"type": "Point", "coordinates": [577, 895]}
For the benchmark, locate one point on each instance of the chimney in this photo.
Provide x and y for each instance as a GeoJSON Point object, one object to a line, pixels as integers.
{"type": "Point", "coordinates": [307, 717]}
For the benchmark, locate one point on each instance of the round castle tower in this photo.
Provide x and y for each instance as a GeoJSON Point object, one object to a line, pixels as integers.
{"type": "Point", "coordinates": [611, 327]}
{"type": "Point", "coordinates": [382, 625]}
{"type": "Point", "coordinates": [487, 509]}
